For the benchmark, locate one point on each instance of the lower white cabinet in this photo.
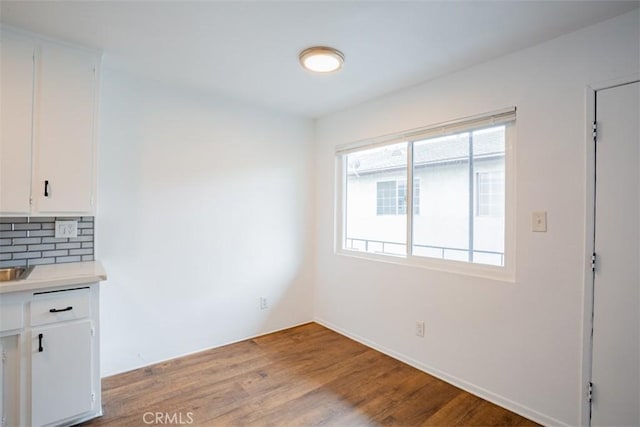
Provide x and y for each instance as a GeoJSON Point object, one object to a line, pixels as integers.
{"type": "Point", "coordinates": [10, 380]}
{"type": "Point", "coordinates": [50, 372]}
{"type": "Point", "coordinates": [61, 380]}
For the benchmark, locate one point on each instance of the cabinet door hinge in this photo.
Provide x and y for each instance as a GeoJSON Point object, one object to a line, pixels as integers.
{"type": "Point", "coordinates": [593, 262]}
{"type": "Point", "coordinates": [93, 398]}
{"type": "Point", "coordinates": [4, 357]}
{"type": "Point", "coordinates": [595, 131]}
{"type": "Point", "coordinates": [590, 392]}
{"type": "Point", "coordinates": [93, 332]}
{"type": "Point", "coordinates": [30, 201]}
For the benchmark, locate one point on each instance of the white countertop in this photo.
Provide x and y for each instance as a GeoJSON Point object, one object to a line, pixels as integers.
{"type": "Point", "coordinates": [52, 275]}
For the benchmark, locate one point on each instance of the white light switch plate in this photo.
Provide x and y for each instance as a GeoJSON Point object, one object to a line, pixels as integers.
{"type": "Point", "coordinates": [539, 221]}
{"type": "Point", "coordinates": [66, 229]}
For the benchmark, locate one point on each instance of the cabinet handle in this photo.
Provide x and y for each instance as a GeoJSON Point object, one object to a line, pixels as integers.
{"type": "Point", "coordinates": [59, 310]}
{"type": "Point", "coordinates": [46, 189]}
{"type": "Point", "coordinates": [40, 348]}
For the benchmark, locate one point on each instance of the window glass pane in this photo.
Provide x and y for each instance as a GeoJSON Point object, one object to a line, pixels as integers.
{"type": "Point", "coordinates": [489, 223]}
{"type": "Point", "coordinates": [461, 197]}
{"type": "Point", "coordinates": [374, 222]}
{"type": "Point", "coordinates": [441, 166]}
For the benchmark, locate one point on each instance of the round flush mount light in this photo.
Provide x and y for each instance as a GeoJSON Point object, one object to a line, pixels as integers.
{"type": "Point", "coordinates": [321, 59]}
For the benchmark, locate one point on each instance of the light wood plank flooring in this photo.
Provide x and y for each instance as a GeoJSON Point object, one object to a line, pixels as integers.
{"type": "Point", "coordinates": [304, 376]}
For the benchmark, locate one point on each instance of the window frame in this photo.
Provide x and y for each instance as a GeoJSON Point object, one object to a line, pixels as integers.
{"type": "Point", "coordinates": [506, 117]}
{"type": "Point", "coordinates": [416, 184]}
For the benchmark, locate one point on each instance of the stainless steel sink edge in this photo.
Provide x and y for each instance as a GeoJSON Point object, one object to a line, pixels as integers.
{"type": "Point", "coordinates": [15, 273]}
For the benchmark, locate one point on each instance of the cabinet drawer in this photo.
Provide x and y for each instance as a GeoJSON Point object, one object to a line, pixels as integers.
{"type": "Point", "coordinates": [60, 306]}
{"type": "Point", "coordinates": [11, 316]}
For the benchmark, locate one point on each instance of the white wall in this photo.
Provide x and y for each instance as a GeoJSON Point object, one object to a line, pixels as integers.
{"type": "Point", "coordinates": [204, 207]}
{"type": "Point", "coordinates": [520, 343]}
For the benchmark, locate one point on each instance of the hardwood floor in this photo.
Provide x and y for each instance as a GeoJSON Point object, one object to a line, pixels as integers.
{"type": "Point", "coordinates": [307, 375]}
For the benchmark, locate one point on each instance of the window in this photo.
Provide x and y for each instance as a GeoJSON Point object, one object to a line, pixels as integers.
{"type": "Point", "coordinates": [456, 208]}
{"type": "Point", "coordinates": [392, 197]}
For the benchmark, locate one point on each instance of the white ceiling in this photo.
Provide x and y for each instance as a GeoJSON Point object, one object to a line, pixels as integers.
{"type": "Point", "coordinates": [249, 50]}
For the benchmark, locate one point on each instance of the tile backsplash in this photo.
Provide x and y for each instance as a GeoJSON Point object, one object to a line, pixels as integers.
{"type": "Point", "coordinates": [27, 241]}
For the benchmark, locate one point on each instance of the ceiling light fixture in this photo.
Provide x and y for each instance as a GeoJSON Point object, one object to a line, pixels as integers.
{"type": "Point", "coordinates": [321, 59]}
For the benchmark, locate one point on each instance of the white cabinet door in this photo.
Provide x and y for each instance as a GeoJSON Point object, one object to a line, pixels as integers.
{"type": "Point", "coordinates": [9, 381]}
{"type": "Point", "coordinates": [16, 101]}
{"type": "Point", "coordinates": [61, 372]}
{"type": "Point", "coordinates": [64, 130]}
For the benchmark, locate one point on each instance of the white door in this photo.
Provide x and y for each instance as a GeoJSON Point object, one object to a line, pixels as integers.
{"type": "Point", "coordinates": [616, 322]}
{"type": "Point", "coordinates": [61, 361]}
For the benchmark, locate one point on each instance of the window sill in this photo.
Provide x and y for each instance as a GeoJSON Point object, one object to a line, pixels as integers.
{"type": "Point", "coordinates": [502, 274]}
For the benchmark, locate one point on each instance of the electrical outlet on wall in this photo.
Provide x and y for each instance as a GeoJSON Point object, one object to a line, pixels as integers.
{"type": "Point", "coordinates": [66, 229]}
{"type": "Point", "coordinates": [420, 328]}
{"type": "Point", "coordinates": [264, 304]}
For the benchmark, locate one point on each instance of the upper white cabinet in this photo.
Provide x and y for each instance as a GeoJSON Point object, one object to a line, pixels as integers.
{"type": "Point", "coordinates": [16, 101]}
{"type": "Point", "coordinates": [48, 150]}
{"type": "Point", "coordinates": [64, 130]}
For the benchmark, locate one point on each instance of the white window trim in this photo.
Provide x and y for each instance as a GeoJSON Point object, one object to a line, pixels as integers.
{"type": "Point", "coordinates": [506, 273]}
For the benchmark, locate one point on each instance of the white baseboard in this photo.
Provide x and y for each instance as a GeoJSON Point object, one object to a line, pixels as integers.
{"type": "Point", "coordinates": [460, 383]}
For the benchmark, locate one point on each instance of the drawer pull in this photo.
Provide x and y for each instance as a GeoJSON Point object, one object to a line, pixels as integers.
{"type": "Point", "coordinates": [59, 310]}
{"type": "Point", "coordinates": [40, 349]}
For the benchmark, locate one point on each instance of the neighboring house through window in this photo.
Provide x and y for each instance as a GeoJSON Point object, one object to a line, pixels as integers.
{"type": "Point", "coordinates": [387, 198]}
{"type": "Point", "coordinates": [391, 197]}
{"type": "Point", "coordinates": [490, 194]}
